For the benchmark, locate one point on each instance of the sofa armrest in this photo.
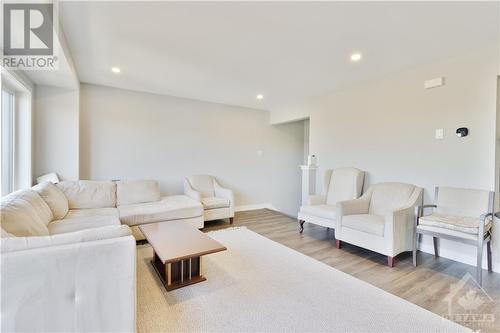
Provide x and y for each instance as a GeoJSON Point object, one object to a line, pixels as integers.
{"type": "Point", "coordinates": [354, 206]}
{"type": "Point", "coordinates": [349, 207]}
{"type": "Point", "coordinates": [398, 230]}
{"type": "Point", "coordinates": [225, 193]}
{"type": "Point", "coordinates": [399, 225]}
{"type": "Point", "coordinates": [190, 192]}
{"type": "Point", "coordinates": [314, 200]}
{"type": "Point", "coordinates": [12, 244]}
{"type": "Point", "coordinates": [68, 287]}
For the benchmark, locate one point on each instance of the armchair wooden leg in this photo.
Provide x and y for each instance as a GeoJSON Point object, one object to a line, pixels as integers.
{"type": "Point", "coordinates": [338, 243]}
{"type": "Point", "coordinates": [435, 240]}
{"type": "Point", "coordinates": [301, 225]}
{"type": "Point", "coordinates": [488, 253]}
{"type": "Point", "coordinates": [390, 261]}
{"type": "Point", "coordinates": [231, 220]}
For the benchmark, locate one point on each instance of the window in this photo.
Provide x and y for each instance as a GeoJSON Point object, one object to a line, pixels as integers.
{"type": "Point", "coordinates": [7, 141]}
{"type": "Point", "coordinates": [16, 131]}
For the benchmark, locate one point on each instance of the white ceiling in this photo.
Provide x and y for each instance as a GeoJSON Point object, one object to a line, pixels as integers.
{"type": "Point", "coordinates": [63, 76]}
{"type": "Point", "coordinates": [228, 52]}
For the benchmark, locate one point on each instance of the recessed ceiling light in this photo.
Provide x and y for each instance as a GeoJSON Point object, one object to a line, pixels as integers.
{"type": "Point", "coordinates": [115, 70]}
{"type": "Point", "coordinates": [260, 96]}
{"type": "Point", "coordinates": [356, 57]}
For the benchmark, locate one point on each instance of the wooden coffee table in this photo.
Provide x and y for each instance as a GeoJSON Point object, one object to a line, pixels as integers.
{"type": "Point", "coordinates": [178, 250]}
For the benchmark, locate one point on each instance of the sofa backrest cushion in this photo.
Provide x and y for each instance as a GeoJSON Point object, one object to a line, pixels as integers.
{"type": "Point", "coordinates": [386, 197]}
{"type": "Point", "coordinates": [203, 184]}
{"type": "Point", "coordinates": [24, 213]}
{"type": "Point", "coordinates": [345, 184]}
{"type": "Point", "coordinates": [54, 197]}
{"type": "Point", "coordinates": [464, 202]}
{"type": "Point", "coordinates": [137, 191]}
{"type": "Point", "coordinates": [89, 193]}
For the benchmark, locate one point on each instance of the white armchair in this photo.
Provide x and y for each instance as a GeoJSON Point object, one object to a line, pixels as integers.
{"type": "Point", "coordinates": [461, 215]}
{"type": "Point", "coordinates": [381, 220]}
{"type": "Point", "coordinates": [339, 184]}
{"type": "Point", "coordinates": [217, 201]}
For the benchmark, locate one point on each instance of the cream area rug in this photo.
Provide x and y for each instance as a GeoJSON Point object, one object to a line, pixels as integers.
{"type": "Point", "coordinates": [258, 285]}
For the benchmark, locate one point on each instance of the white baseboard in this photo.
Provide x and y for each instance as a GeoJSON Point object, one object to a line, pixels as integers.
{"type": "Point", "coordinates": [254, 207]}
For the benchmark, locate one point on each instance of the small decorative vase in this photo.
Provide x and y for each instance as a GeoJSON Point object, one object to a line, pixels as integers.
{"type": "Point", "coordinates": [312, 160]}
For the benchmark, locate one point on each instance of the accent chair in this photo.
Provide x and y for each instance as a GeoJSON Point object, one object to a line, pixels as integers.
{"type": "Point", "coordinates": [461, 215]}
{"type": "Point", "coordinates": [381, 220]}
{"type": "Point", "coordinates": [339, 184]}
{"type": "Point", "coordinates": [217, 201]}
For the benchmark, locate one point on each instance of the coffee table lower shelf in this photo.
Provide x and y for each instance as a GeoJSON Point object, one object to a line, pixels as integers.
{"type": "Point", "coordinates": [178, 274]}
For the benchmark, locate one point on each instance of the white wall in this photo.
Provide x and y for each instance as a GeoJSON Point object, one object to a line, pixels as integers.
{"type": "Point", "coordinates": [306, 140]}
{"type": "Point", "coordinates": [56, 132]}
{"type": "Point", "coordinates": [386, 127]}
{"type": "Point", "coordinates": [134, 135]}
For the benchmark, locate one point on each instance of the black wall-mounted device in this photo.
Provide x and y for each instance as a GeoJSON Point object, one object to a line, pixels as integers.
{"type": "Point", "coordinates": [462, 131]}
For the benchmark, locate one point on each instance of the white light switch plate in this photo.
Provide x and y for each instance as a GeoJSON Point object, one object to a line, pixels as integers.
{"type": "Point", "coordinates": [433, 83]}
{"type": "Point", "coordinates": [439, 133]}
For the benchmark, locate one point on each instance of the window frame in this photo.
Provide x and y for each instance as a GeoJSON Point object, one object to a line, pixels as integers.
{"type": "Point", "coordinates": [7, 178]}
{"type": "Point", "coordinates": [20, 85]}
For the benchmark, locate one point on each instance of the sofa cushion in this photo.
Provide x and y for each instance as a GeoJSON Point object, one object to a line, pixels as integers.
{"type": "Point", "coordinates": [24, 213]}
{"type": "Point", "coordinates": [372, 224]}
{"type": "Point", "coordinates": [167, 208]}
{"type": "Point", "coordinates": [386, 197]}
{"type": "Point", "coordinates": [81, 223]}
{"type": "Point", "coordinates": [130, 192]}
{"type": "Point", "coordinates": [469, 225]}
{"type": "Point", "coordinates": [74, 213]}
{"type": "Point", "coordinates": [324, 211]}
{"type": "Point", "coordinates": [214, 202]}
{"type": "Point", "coordinates": [54, 197]}
{"type": "Point", "coordinates": [89, 193]}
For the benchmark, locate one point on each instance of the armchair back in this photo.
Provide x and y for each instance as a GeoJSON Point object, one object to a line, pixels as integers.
{"type": "Point", "coordinates": [344, 184]}
{"type": "Point", "coordinates": [386, 197]}
{"type": "Point", "coordinates": [203, 184]}
{"type": "Point", "coordinates": [463, 202]}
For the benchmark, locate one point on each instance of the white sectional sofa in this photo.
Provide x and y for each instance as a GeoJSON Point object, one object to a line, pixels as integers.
{"type": "Point", "coordinates": [68, 254]}
{"type": "Point", "coordinates": [139, 202]}
{"type": "Point", "coordinates": [132, 202]}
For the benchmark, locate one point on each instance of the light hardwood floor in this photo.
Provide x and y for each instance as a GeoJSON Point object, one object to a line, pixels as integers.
{"type": "Point", "coordinates": [426, 285]}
